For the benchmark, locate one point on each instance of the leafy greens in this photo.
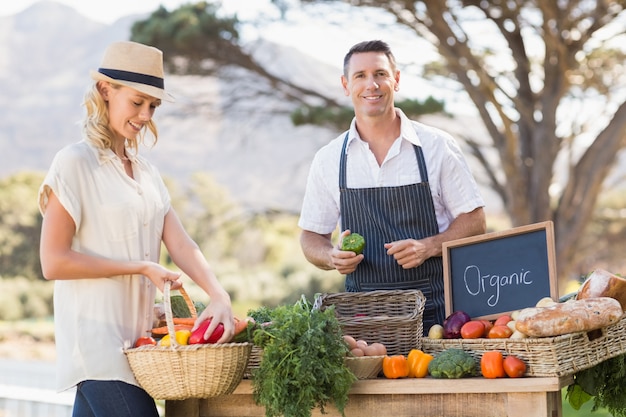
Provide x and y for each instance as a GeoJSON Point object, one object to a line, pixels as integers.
{"type": "Point", "coordinates": [302, 366]}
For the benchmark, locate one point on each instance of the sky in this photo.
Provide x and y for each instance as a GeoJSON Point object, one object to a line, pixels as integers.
{"type": "Point", "coordinates": [301, 30]}
{"type": "Point", "coordinates": [324, 31]}
{"type": "Point", "coordinates": [107, 11]}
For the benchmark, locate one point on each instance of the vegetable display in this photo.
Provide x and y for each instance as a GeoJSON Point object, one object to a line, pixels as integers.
{"type": "Point", "coordinates": [303, 361]}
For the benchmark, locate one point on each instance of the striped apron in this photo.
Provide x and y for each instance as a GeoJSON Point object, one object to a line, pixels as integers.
{"type": "Point", "coordinates": [387, 214]}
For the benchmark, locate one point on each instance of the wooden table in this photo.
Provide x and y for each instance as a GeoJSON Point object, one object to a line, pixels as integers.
{"type": "Point", "coordinates": [412, 397]}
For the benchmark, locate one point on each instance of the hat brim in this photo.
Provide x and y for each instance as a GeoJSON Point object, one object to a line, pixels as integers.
{"type": "Point", "coordinates": [146, 89]}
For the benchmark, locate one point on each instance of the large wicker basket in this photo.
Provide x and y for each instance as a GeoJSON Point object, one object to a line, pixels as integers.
{"type": "Point", "coordinates": [390, 317]}
{"type": "Point", "coordinates": [195, 371]}
{"type": "Point", "coordinates": [546, 356]}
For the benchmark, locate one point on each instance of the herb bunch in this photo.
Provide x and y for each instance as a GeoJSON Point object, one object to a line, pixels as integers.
{"type": "Point", "coordinates": [303, 362]}
{"type": "Point", "coordinates": [605, 383]}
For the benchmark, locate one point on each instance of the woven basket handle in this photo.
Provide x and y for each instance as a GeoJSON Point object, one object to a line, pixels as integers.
{"type": "Point", "coordinates": [169, 316]}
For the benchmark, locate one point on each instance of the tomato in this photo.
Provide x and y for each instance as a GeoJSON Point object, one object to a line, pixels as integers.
{"type": "Point", "coordinates": [395, 366]}
{"type": "Point", "coordinates": [502, 320]}
{"type": "Point", "coordinates": [500, 332]}
{"type": "Point", "coordinates": [473, 329]}
{"type": "Point", "coordinates": [492, 364]}
{"type": "Point", "coordinates": [145, 341]}
{"type": "Point", "coordinates": [514, 367]}
{"type": "Point", "coordinates": [488, 325]}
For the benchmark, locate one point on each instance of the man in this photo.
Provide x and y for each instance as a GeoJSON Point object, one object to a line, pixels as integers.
{"type": "Point", "coordinates": [404, 186]}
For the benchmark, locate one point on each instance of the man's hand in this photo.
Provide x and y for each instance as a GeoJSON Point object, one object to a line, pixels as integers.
{"type": "Point", "coordinates": [345, 261]}
{"type": "Point", "coordinates": [408, 253]}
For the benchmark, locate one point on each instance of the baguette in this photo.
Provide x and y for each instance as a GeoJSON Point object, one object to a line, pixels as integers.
{"type": "Point", "coordinates": [569, 317]}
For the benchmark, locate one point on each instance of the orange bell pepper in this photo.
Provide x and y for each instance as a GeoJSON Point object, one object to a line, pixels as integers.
{"type": "Point", "coordinates": [395, 366]}
{"type": "Point", "coordinates": [418, 363]}
{"type": "Point", "coordinates": [492, 364]}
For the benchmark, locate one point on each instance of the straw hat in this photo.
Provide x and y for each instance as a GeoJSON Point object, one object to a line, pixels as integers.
{"type": "Point", "coordinates": [134, 65]}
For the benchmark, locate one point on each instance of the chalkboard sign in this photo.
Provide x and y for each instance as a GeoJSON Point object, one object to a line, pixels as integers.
{"type": "Point", "coordinates": [496, 273]}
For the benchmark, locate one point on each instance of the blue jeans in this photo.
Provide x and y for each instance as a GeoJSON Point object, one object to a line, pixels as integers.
{"type": "Point", "coordinates": [112, 399]}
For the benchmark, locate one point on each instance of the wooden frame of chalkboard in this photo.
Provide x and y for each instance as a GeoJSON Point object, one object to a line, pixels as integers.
{"type": "Point", "coordinates": [497, 273]}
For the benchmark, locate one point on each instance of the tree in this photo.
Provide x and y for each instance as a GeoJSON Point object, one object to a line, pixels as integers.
{"type": "Point", "coordinates": [547, 80]}
{"type": "Point", "coordinates": [195, 40]}
{"type": "Point", "coordinates": [20, 226]}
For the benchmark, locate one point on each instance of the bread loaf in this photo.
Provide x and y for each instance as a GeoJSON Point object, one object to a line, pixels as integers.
{"type": "Point", "coordinates": [601, 283]}
{"type": "Point", "coordinates": [569, 317]}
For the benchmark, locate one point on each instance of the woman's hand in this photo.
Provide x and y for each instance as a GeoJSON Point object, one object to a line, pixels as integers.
{"type": "Point", "coordinates": [219, 311]}
{"type": "Point", "coordinates": [158, 274]}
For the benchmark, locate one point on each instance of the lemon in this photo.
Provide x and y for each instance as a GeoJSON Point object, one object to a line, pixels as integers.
{"type": "Point", "coordinates": [182, 338]}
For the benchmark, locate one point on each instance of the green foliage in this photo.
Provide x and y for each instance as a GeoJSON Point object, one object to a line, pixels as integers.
{"type": "Point", "coordinates": [604, 383]}
{"type": "Point", "coordinates": [303, 362]}
{"type": "Point", "coordinates": [22, 298]}
{"type": "Point", "coordinates": [20, 226]}
{"type": "Point", "coordinates": [194, 32]}
{"type": "Point", "coordinates": [340, 117]}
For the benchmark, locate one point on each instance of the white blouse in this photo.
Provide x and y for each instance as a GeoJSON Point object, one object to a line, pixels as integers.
{"type": "Point", "coordinates": [116, 217]}
{"type": "Point", "coordinates": [452, 185]}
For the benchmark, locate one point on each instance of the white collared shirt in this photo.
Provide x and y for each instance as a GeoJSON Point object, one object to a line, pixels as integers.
{"type": "Point", "coordinates": [452, 185]}
{"type": "Point", "coordinates": [116, 217]}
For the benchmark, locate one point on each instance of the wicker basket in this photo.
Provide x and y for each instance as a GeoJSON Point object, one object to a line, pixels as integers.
{"type": "Point", "coordinates": [365, 367]}
{"type": "Point", "coordinates": [390, 317]}
{"type": "Point", "coordinates": [180, 372]}
{"type": "Point", "coordinates": [256, 355]}
{"type": "Point", "coordinates": [546, 356]}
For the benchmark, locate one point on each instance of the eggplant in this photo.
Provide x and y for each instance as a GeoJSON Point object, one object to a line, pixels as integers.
{"type": "Point", "coordinates": [453, 323]}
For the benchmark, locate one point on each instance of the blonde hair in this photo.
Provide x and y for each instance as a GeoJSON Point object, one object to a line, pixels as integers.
{"type": "Point", "coordinates": [96, 128]}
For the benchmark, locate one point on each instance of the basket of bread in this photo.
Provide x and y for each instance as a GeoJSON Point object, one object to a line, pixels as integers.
{"type": "Point", "coordinates": [556, 338]}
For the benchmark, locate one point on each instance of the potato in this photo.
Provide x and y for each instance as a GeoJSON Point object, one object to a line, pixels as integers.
{"type": "Point", "coordinates": [435, 332]}
{"type": "Point", "coordinates": [545, 302]}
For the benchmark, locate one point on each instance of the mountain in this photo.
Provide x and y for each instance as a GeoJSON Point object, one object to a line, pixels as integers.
{"type": "Point", "coordinates": [234, 126]}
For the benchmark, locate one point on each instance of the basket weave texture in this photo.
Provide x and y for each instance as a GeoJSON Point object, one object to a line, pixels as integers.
{"type": "Point", "coordinates": [192, 371]}
{"type": "Point", "coordinates": [256, 355]}
{"type": "Point", "coordinates": [365, 367]}
{"type": "Point", "coordinates": [546, 356]}
{"type": "Point", "coordinates": [390, 317]}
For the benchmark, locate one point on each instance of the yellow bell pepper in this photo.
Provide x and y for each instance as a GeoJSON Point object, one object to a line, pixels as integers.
{"type": "Point", "coordinates": [182, 338]}
{"type": "Point", "coordinates": [418, 363]}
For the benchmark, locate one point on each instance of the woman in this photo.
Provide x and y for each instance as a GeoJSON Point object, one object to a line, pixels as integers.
{"type": "Point", "coordinates": [105, 213]}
